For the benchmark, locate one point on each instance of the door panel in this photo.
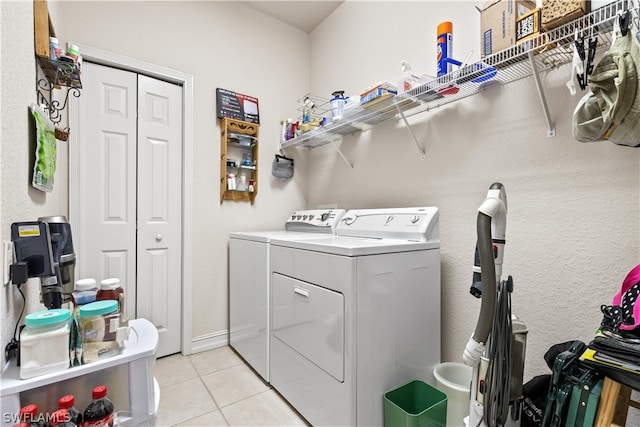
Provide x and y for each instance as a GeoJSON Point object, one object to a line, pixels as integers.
{"type": "Point", "coordinates": [107, 173]}
{"type": "Point", "coordinates": [160, 208]}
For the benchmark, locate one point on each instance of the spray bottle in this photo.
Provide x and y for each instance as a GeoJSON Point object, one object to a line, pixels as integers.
{"type": "Point", "coordinates": [408, 80]}
{"type": "Point", "coordinates": [337, 104]}
{"type": "Point", "coordinates": [445, 47]}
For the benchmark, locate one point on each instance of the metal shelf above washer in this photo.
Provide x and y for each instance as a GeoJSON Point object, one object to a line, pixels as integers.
{"type": "Point", "coordinates": [544, 52]}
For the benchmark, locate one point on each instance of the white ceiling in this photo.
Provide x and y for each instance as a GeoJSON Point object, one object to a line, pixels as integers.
{"type": "Point", "coordinates": [302, 14]}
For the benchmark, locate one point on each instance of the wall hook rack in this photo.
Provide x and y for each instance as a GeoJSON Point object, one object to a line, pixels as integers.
{"type": "Point", "coordinates": [53, 107]}
{"type": "Point", "coordinates": [57, 74]}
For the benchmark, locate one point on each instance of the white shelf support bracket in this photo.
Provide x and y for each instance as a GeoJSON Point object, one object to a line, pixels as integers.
{"type": "Point", "coordinates": [413, 136]}
{"type": "Point", "coordinates": [336, 146]}
{"type": "Point", "coordinates": [551, 130]}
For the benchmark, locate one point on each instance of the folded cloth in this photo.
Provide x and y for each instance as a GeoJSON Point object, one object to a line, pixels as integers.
{"type": "Point", "coordinates": [616, 348]}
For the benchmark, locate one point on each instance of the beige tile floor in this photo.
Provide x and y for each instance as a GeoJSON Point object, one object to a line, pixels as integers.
{"type": "Point", "coordinates": [217, 388]}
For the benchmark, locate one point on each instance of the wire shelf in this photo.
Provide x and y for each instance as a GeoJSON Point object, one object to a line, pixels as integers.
{"type": "Point", "coordinates": [543, 52]}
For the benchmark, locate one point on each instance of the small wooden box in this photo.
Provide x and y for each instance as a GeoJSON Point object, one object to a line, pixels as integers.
{"type": "Point", "coordinates": [558, 12]}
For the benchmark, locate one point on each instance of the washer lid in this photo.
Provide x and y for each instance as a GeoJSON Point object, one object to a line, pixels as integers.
{"type": "Point", "coordinates": [356, 246]}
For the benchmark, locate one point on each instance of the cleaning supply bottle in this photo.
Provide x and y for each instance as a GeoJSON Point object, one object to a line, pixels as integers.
{"type": "Point", "coordinates": [408, 80]}
{"type": "Point", "coordinates": [100, 412]}
{"type": "Point", "coordinates": [337, 104]}
{"type": "Point", "coordinates": [445, 47]}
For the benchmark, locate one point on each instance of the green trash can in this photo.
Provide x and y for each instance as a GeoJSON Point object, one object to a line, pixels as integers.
{"type": "Point", "coordinates": [415, 404]}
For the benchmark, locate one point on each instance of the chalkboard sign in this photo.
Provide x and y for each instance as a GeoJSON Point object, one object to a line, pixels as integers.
{"type": "Point", "coordinates": [237, 106]}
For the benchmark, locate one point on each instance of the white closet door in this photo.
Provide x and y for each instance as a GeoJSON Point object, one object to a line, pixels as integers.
{"type": "Point", "coordinates": [107, 178]}
{"type": "Point", "coordinates": [130, 193]}
{"type": "Point", "coordinates": [160, 208]}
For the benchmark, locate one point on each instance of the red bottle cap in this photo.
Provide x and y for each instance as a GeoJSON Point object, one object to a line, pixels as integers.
{"type": "Point", "coordinates": [66, 401]}
{"type": "Point", "coordinates": [99, 392]}
{"type": "Point", "coordinates": [28, 410]}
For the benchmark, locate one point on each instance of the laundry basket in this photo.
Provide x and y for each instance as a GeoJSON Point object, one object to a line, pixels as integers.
{"type": "Point", "coordinates": [415, 404]}
{"type": "Point", "coordinates": [454, 379]}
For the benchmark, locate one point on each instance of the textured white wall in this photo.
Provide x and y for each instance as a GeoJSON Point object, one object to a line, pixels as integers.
{"type": "Point", "coordinates": [572, 227]}
{"type": "Point", "coordinates": [20, 201]}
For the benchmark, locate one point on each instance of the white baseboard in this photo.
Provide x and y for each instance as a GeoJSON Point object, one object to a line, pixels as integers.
{"type": "Point", "coordinates": [209, 341]}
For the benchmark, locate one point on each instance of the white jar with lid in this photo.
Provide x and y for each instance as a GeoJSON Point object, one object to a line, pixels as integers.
{"type": "Point", "coordinates": [85, 291]}
{"type": "Point", "coordinates": [44, 343]}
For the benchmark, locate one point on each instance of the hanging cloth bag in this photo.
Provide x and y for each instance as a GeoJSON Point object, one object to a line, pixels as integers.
{"type": "Point", "coordinates": [282, 167]}
{"type": "Point", "coordinates": [611, 111]}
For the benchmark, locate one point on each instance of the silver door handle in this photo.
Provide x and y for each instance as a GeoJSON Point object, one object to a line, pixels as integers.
{"type": "Point", "coordinates": [159, 237]}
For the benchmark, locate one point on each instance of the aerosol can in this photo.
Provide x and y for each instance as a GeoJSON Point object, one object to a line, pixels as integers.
{"type": "Point", "coordinates": [496, 350]}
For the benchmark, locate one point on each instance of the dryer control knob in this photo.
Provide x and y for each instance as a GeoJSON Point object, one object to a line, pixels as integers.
{"type": "Point", "coordinates": [349, 220]}
{"type": "Point", "coordinates": [414, 219]}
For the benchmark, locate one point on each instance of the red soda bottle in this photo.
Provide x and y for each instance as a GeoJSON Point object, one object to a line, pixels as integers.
{"type": "Point", "coordinates": [67, 402]}
{"type": "Point", "coordinates": [99, 413]}
{"type": "Point", "coordinates": [61, 418]}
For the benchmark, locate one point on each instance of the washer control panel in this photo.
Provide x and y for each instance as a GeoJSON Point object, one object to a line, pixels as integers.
{"type": "Point", "coordinates": [315, 220]}
{"type": "Point", "coordinates": [416, 224]}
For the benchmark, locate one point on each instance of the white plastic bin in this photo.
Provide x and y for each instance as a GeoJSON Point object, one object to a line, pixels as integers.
{"type": "Point", "coordinates": [454, 379]}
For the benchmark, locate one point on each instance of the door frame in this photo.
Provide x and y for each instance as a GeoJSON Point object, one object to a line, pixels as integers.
{"type": "Point", "coordinates": [114, 60]}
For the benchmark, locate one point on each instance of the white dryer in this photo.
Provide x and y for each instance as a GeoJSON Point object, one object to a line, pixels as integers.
{"type": "Point", "coordinates": [249, 281]}
{"type": "Point", "coordinates": [356, 314]}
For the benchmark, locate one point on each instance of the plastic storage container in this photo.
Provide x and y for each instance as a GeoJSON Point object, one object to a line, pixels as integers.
{"type": "Point", "coordinates": [99, 325]}
{"type": "Point", "coordinates": [44, 343]}
{"type": "Point", "coordinates": [454, 380]}
{"type": "Point", "coordinates": [415, 404]}
{"type": "Point", "coordinates": [129, 377]}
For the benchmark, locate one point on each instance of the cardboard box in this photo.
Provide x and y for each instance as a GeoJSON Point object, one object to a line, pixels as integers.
{"type": "Point", "coordinates": [558, 12]}
{"type": "Point", "coordinates": [498, 23]}
{"type": "Point", "coordinates": [528, 25]}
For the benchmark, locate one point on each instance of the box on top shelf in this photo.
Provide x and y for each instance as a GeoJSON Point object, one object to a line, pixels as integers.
{"type": "Point", "coordinates": [498, 23]}
{"type": "Point", "coordinates": [558, 12]}
{"type": "Point", "coordinates": [528, 25]}
{"type": "Point", "coordinates": [378, 90]}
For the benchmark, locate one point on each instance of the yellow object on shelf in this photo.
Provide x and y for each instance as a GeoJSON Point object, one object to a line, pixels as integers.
{"type": "Point", "coordinates": [529, 25]}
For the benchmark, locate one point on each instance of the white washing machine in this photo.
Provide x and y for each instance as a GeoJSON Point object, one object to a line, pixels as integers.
{"type": "Point", "coordinates": [249, 281]}
{"type": "Point", "coordinates": [356, 314]}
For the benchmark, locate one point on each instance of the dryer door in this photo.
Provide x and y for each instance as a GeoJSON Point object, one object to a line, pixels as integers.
{"type": "Point", "coordinates": [310, 320]}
